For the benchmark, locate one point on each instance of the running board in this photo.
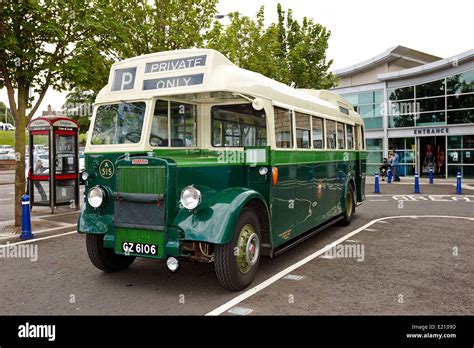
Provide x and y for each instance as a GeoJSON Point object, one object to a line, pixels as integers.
{"type": "Point", "coordinates": [305, 236]}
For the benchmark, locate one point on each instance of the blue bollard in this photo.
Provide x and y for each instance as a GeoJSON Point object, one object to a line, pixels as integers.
{"type": "Point", "coordinates": [417, 183]}
{"type": "Point", "coordinates": [458, 184]}
{"type": "Point", "coordinates": [389, 176]}
{"type": "Point", "coordinates": [25, 218]}
{"type": "Point", "coordinates": [377, 183]}
{"type": "Point", "coordinates": [431, 175]}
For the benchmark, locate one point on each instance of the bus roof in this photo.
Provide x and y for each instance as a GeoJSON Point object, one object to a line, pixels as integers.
{"type": "Point", "coordinates": [194, 71]}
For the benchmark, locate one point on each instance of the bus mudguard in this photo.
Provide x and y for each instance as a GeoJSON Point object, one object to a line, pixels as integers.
{"type": "Point", "coordinates": [214, 220]}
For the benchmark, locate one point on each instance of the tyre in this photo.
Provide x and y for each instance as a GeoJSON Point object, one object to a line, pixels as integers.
{"type": "Point", "coordinates": [349, 206]}
{"type": "Point", "coordinates": [236, 263]}
{"type": "Point", "coordinates": [103, 258]}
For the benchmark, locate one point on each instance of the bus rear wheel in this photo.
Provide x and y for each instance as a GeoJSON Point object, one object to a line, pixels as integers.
{"type": "Point", "coordinates": [236, 262]}
{"type": "Point", "coordinates": [349, 206]}
{"type": "Point", "coordinates": [103, 258]}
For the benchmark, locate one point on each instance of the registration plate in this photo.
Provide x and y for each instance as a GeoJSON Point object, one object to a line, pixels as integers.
{"type": "Point", "coordinates": [139, 248]}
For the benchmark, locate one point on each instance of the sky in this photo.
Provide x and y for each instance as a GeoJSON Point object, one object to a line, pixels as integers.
{"type": "Point", "coordinates": [361, 29]}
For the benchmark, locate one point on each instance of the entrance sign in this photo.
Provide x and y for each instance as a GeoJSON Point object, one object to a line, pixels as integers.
{"type": "Point", "coordinates": [176, 64]}
{"type": "Point", "coordinates": [173, 82]}
{"type": "Point", "coordinates": [429, 131]}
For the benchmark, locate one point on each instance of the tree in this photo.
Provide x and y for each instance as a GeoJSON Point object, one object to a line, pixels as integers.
{"type": "Point", "coordinates": [39, 40]}
{"type": "Point", "coordinates": [138, 27]}
{"type": "Point", "coordinates": [286, 51]}
{"type": "Point", "coordinates": [9, 118]}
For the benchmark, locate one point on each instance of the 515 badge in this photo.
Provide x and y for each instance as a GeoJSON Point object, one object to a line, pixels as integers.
{"type": "Point", "coordinates": [106, 169]}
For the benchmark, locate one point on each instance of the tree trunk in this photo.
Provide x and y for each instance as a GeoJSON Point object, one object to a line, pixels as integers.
{"type": "Point", "coordinates": [20, 188]}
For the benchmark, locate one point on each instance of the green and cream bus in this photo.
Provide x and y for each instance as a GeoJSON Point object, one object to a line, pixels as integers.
{"type": "Point", "coordinates": [190, 157]}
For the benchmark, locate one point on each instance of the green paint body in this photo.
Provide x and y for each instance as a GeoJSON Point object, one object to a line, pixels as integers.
{"type": "Point", "coordinates": [311, 189]}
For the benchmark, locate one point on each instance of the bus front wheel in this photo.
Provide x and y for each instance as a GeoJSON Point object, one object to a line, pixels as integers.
{"type": "Point", "coordinates": [236, 263]}
{"type": "Point", "coordinates": [103, 258]}
{"type": "Point", "coordinates": [349, 206]}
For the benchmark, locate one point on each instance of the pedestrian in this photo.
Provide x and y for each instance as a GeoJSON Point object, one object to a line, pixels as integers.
{"type": "Point", "coordinates": [395, 165]}
{"type": "Point", "coordinates": [40, 169]}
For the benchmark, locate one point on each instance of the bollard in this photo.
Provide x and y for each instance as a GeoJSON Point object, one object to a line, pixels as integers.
{"type": "Point", "coordinates": [458, 184]}
{"type": "Point", "coordinates": [389, 176]}
{"type": "Point", "coordinates": [431, 175]}
{"type": "Point", "coordinates": [417, 183]}
{"type": "Point", "coordinates": [25, 218]}
{"type": "Point", "coordinates": [377, 183]}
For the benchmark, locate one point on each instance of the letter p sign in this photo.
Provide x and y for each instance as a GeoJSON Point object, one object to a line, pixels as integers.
{"type": "Point", "coordinates": [124, 79]}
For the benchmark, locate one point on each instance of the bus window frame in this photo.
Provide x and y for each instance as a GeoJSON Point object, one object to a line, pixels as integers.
{"type": "Point", "coordinates": [346, 125]}
{"type": "Point", "coordinates": [343, 135]}
{"type": "Point", "coordinates": [323, 132]}
{"type": "Point", "coordinates": [152, 115]}
{"type": "Point", "coordinates": [304, 129]}
{"type": "Point", "coordinates": [211, 134]}
{"type": "Point", "coordinates": [292, 127]}
{"type": "Point", "coordinates": [111, 146]}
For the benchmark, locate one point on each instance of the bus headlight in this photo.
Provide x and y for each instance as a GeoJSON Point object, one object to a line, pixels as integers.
{"type": "Point", "coordinates": [190, 197]}
{"type": "Point", "coordinates": [95, 197]}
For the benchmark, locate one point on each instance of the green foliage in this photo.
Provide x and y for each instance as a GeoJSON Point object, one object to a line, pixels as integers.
{"type": "Point", "coordinates": [286, 51]}
{"type": "Point", "coordinates": [78, 106]}
{"type": "Point", "coordinates": [9, 118]}
{"type": "Point", "coordinates": [8, 138]}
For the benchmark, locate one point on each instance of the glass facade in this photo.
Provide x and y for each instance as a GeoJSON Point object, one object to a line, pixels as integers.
{"type": "Point", "coordinates": [461, 156]}
{"type": "Point", "coordinates": [435, 105]}
{"type": "Point", "coordinates": [374, 149]}
{"type": "Point", "coordinates": [405, 148]}
{"type": "Point", "coordinates": [368, 105]}
{"type": "Point", "coordinates": [441, 102]}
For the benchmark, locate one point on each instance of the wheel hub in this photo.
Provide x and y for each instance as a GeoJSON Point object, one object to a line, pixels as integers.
{"type": "Point", "coordinates": [248, 248]}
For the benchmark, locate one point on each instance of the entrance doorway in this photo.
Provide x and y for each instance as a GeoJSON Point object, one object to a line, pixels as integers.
{"type": "Point", "coordinates": [432, 152]}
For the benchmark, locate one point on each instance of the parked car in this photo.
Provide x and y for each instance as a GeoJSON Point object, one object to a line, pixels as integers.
{"type": "Point", "coordinates": [6, 149]}
{"type": "Point", "coordinates": [6, 127]}
{"type": "Point", "coordinates": [7, 156]}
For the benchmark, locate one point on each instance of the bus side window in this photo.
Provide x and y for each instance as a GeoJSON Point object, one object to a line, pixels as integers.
{"type": "Point", "coordinates": [303, 130]}
{"type": "Point", "coordinates": [183, 124]}
{"type": "Point", "coordinates": [283, 128]}
{"type": "Point", "coordinates": [341, 141]}
{"type": "Point", "coordinates": [331, 134]}
{"type": "Point", "coordinates": [318, 133]}
{"type": "Point", "coordinates": [238, 125]}
{"type": "Point", "coordinates": [362, 138]}
{"type": "Point", "coordinates": [350, 137]}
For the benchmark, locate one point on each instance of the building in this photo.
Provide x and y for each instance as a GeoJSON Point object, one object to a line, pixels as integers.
{"type": "Point", "coordinates": [418, 104]}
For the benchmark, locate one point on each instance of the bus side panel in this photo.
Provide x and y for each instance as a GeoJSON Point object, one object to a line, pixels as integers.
{"type": "Point", "coordinates": [322, 194]}
{"type": "Point", "coordinates": [304, 197]}
{"type": "Point", "coordinates": [282, 197]}
{"type": "Point", "coordinates": [360, 175]}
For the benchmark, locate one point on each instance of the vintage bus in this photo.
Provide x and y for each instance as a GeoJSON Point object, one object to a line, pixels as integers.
{"type": "Point", "coordinates": [190, 157]}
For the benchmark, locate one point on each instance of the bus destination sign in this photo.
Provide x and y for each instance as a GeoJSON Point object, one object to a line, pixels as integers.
{"type": "Point", "coordinates": [173, 82]}
{"type": "Point", "coordinates": [176, 64]}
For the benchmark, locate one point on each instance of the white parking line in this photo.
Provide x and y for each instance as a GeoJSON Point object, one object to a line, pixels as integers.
{"type": "Point", "coordinates": [236, 300]}
{"type": "Point", "coordinates": [38, 239]}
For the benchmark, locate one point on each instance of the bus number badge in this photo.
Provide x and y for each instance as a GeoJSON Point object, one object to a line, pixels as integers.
{"type": "Point", "coordinates": [106, 169]}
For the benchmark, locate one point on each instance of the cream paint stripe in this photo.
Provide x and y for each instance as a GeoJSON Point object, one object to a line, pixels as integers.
{"type": "Point", "coordinates": [38, 239]}
{"type": "Point", "coordinates": [226, 306]}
